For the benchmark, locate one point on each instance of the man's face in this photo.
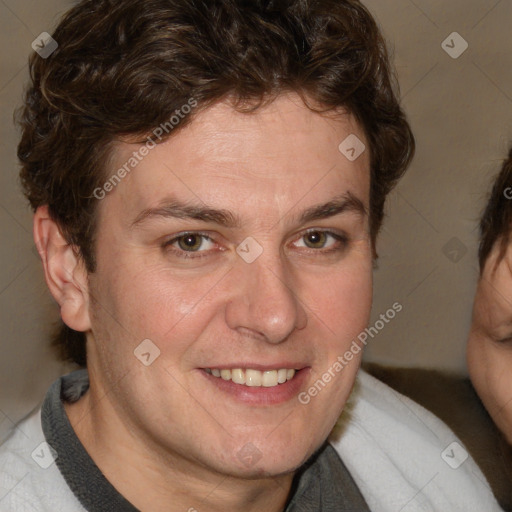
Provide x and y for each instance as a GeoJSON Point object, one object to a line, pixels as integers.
{"type": "Point", "coordinates": [169, 271]}
{"type": "Point", "coordinates": [490, 340]}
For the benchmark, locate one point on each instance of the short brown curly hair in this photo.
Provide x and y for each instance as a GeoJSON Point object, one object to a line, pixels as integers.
{"type": "Point", "coordinates": [496, 221]}
{"type": "Point", "coordinates": [123, 67]}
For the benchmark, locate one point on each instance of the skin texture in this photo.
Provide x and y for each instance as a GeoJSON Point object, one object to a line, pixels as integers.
{"type": "Point", "coordinates": [489, 350]}
{"type": "Point", "coordinates": [164, 435]}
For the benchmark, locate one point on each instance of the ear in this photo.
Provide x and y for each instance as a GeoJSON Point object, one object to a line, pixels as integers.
{"type": "Point", "coordinates": [64, 272]}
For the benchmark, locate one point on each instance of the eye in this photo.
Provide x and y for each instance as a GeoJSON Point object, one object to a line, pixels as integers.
{"type": "Point", "coordinates": [191, 242]}
{"type": "Point", "coordinates": [317, 239]}
{"type": "Point", "coordinates": [505, 341]}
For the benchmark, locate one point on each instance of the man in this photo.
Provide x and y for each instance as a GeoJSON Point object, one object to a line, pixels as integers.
{"type": "Point", "coordinates": [208, 182]}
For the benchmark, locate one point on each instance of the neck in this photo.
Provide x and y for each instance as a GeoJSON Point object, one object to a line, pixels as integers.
{"type": "Point", "coordinates": [157, 480]}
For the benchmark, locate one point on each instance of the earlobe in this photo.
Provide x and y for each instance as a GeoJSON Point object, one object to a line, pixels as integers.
{"type": "Point", "coordinates": [64, 272]}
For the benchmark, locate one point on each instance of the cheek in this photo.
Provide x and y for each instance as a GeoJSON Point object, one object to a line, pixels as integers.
{"type": "Point", "coordinates": [490, 369]}
{"type": "Point", "coordinates": [171, 301]}
{"type": "Point", "coordinates": [342, 299]}
{"type": "Point", "coordinates": [480, 362]}
{"type": "Point", "coordinates": [498, 398]}
{"type": "Point", "coordinates": [142, 302]}
{"type": "Point", "coordinates": [498, 380]}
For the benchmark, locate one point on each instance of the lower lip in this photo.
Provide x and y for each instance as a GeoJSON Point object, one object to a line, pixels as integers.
{"type": "Point", "coordinates": [261, 395]}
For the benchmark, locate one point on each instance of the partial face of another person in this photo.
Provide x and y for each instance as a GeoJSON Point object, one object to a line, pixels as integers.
{"type": "Point", "coordinates": [489, 349]}
{"type": "Point", "coordinates": [284, 305]}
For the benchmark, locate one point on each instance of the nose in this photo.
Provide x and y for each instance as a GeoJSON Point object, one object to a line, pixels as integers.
{"type": "Point", "coordinates": [264, 304]}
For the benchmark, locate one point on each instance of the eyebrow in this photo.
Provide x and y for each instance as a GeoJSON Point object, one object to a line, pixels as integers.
{"type": "Point", "coordinates": [171, 208]}
{"type": "Point", "coordinates": [347, 202]}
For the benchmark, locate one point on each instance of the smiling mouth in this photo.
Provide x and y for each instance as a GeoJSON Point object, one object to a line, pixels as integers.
{"type": "Point", "coordinates": [253, 378]}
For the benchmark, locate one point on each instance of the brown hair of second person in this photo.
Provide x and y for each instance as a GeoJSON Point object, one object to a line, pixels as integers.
{"type": "Point", "coordinates": [497, 218]}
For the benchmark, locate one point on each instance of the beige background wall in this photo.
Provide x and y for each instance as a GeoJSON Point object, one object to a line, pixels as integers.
{"type": "Point", "coordinates": [461, 113]}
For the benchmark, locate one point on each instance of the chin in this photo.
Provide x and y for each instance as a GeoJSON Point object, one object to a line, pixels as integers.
{"type": "Point", "coordinates": [286, 460]}
{"type": "Point", "coordinates": [254, 461]}
{"type": "Point", "coordinates": [269, 469]}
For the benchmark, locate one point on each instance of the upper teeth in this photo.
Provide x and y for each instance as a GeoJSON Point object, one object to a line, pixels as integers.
{"type": "Point", "coordinates": [254, 378]}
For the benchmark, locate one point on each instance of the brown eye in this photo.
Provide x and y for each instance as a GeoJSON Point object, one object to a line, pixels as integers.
{"type": "Point", "coordinates": [191, 245]}
{"type": "Point", "coordinates": [315, 239]}
{"type": "Point", "coordinates": [190, 242]}
{"type": "Point", "coordinates": [323, 241]}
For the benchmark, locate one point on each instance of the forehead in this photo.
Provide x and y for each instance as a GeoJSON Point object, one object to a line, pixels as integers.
{"type": "Point", "coordinates": [283, 150]}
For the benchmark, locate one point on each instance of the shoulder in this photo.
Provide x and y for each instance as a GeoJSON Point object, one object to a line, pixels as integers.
{"type": "Point", "coordinates": [30, 480]}
{"type": "Point", "coordinates": [453, 399]}
{"type": "Point", "coordinates": [403, 457]}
